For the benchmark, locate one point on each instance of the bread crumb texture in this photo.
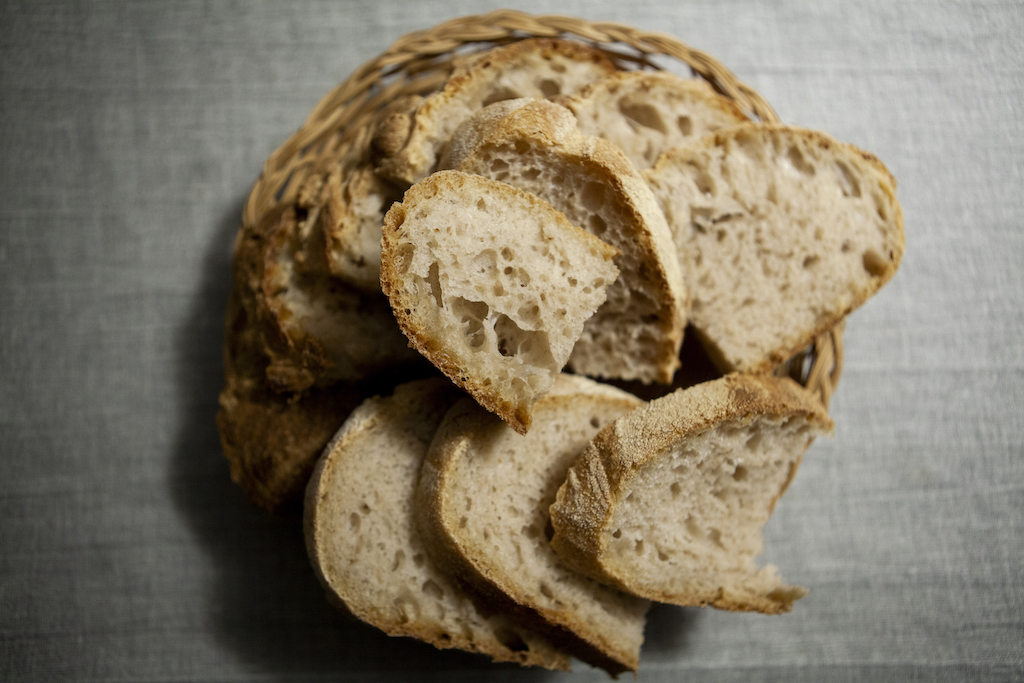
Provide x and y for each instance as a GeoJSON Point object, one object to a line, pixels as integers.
{"type": "Point", "coordinates": [492, 285]}
{"type": "Point", "coordinates": [781, 232]}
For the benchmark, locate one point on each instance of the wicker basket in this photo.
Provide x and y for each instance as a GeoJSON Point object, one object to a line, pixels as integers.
{"type": "Point", "coordinates": [339, 127]}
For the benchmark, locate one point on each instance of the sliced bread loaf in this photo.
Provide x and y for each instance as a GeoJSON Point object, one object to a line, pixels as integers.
{"type": "Point", "coordinates": [645, 113]}
{"type": "Point", "coordinates": [539, 67]}
{"type": "Point", "coordinates": [492, 285]}
{"type": "Point", "coordinates": [484, 494]}
{"type": "Point", "coordinates": [315, 329]}
{"type": "Point", "coordinates": [534, 145]}
{"type": "Point", "coordinates": [668, 501]}
{"type": "Point", "coordinates": [781, 232]}
{"type": "Point", "coordinates": [363, 542]}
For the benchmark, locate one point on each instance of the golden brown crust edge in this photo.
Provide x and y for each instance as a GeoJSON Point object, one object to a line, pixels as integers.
{"type": "Point", "coordinates": [596, 482]}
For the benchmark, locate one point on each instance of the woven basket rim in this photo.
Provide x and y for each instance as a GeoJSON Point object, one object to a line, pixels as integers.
{"type": "Point", "coordinates": [413, 64]}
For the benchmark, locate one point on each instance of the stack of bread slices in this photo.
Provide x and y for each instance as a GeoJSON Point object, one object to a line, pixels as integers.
{"type": "Point", "coordinates": [431, 342]}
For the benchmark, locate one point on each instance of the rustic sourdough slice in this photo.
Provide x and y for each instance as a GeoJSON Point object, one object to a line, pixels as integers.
{"type": "Point", "coordinates": [534, 145]}
{"type": "Point", "coordinates": [315, 329]}
{"type": "Point", "coordinates": [272, 440]}
{"type": "Point", "coordinates": [491, 285]}
{"type": "Point", "coordinates": [362, 538]}
{"type": "Point", "coordinates": [484, 494]}
{"type": "Point", "coordinates": [646, 113]}
{"type": "Point", "coordinates": [668, 501]}
{"type": "Point", "coordinates": [539, 67]}
{"type": "Point", "coordinates": [781, 232]}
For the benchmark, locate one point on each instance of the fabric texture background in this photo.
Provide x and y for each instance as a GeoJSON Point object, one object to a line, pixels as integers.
{"type": "Point", "coordinates": [131, 134]}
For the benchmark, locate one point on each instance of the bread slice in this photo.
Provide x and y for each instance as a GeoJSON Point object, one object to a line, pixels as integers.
{"type": "Point", "coordinates": [668, 501]}
{"type": "Point", "coordinates": [315, 329]}
{"type": "Point", "coordinates": [492, 285]}
{"type": "Point", "coordinates": [781, 232]}
{"type": "Point", "coordinates": [484, 494]}
{"type": "Point", "coordinates": [363, 542]}
{"type": "Point", "coordinates": [539, 67]}
{"type": "Point", "coordinates": [272, 440]}
{"type": "Point", "coordinates": [534, 145]}
{"type": "Point", "coordinates": [645, 113]}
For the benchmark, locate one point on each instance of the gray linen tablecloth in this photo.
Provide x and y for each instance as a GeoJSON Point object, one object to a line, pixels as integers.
{"type": "Point", "coordinates": [131, 135]}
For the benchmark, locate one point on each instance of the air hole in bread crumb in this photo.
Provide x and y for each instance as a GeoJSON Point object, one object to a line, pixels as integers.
{"type": "Point", "coordinates": [507, 254]}
{"type": "Point", "coordinates": [592, 196]}
{"type": "Point", "coordinates": [510, 639]}
{"type": "Point", "coordinates": [354, 521]}
{"type": "Point", "coordinates": [810, 261]}
{"type": "Point", "coordinates": [740, 474]}
{"type": "Point", "coordinates": [546, 591]}
{"type": "Point", "coordinates": [796, 158]}
{"type": "Point", "coordinates": [715, 536]}
{"type": "Point", "coordinates": [662, 556]}
{"type": "Point", "coordinates": [596, 225]}
{"type": "Point", "coordinates": [531, 174]}
{"type": "Point", "coordinates": [685, 125]}
{"type": "Point", "coordinates": [522, 147]}
{"type": "Point", "coordinates": [471, 315]}
{"type": "Point", "coordinates": [642, 115]}
{"type": "Point", "coordinates": [549, 87]}
{"type": "Point", "coordinates": [639, 547]}
{"type": "Point", "coordinates": [481, 204]}
{"type": "Point", "coordinates": [848, 184]}
{"type": "Point", "coordinates": [874, 263]}
{"type": "Point", "coordinates": [617, 533]}
{"type": "Point", "coordinates": [529, 531]}
{"type": "Point", "coordinates": [595, 423]}
{"type": "Point", "coordinates": [417, 559]}
{"type": "Point", "coordinates": [498, 165]}
{"type": "Point", "coordinates": [500, 95]}
{"type": "Point", "coordinates": [364, 508]}
{"type": "Point", "coordinates": [399, 560]}
{"type": "Point", "coordinates": [845, 247]}
{"type": "Point", "coordinates": [431, 588]}
{"type": "Point", "coordinates": [675, 488]}
{"type": "Point", "coordinates": [433, 278]}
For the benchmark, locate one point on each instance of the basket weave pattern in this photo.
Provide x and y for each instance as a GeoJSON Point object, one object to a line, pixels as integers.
{"type": "Point", "coordinates": [339, 128]}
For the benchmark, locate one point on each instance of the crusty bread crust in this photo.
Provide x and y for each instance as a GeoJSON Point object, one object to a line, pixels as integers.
{"type": "Point", "coordinates": [607, 471]}
{"type": "Point", "coordinates": [364, 485]}
{"type": "Point", "coordinates": [271, 440]}
{"type": "Point", "coordinates": [314, 329]}
{"type": "Point", "coordinates": [786, 235]}
{"type": "Point", "coordinates": [535, 145]}
{"type": "Point", "coordinates": [467, 433]}
{"type": "Point", "coordinates": [538, 67]}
